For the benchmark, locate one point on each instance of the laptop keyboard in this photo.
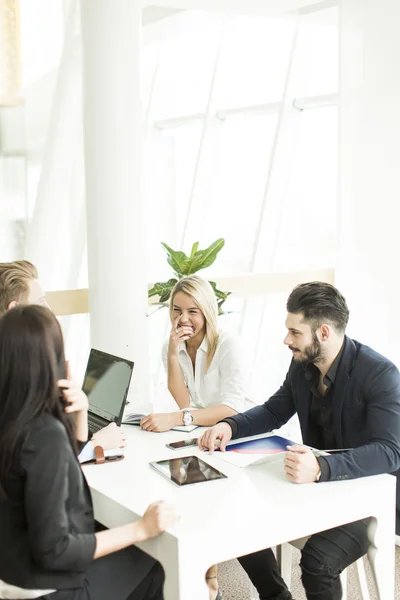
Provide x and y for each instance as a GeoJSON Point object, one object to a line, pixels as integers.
{"type": "Point", "coordinates": [95, 426]}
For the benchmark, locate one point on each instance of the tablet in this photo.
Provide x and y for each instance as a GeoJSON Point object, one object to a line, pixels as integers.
{"type": "Point", "coordinates": [187, 470]}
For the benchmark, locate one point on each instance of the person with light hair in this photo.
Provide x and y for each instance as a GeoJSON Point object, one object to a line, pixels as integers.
{"type": "Point", "coordinates": [204, 365]}
{"type": "Point", "coordinates": [19, 284]}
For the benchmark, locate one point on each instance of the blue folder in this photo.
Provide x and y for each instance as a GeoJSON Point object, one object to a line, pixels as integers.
{"type": "Point", "coordinates": [273, 444]}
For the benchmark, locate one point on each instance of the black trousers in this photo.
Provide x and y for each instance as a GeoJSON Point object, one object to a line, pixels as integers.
{"type": "Point", "coordinates": [323, 558]}
{"type": "Point", "coordinates": [111, 578]}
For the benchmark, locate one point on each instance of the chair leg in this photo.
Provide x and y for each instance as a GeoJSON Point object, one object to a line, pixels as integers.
{"type": "Point", "coordinates": [253, 593]}
{"type": "Point", "coordinates": [284, 558]}
{"type": "Point", "coordinates": [343, 579]}
{"type": "Point", "coordinates": [361, 579]}
{"type": "Point", "coordinates": [385, 557]}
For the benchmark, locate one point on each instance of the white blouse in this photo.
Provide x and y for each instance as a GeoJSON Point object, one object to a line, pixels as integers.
{"type": "Point", "coordinates": [223, 383]}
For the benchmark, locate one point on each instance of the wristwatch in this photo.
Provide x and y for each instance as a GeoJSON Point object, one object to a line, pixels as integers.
{"type": "Point", "coordinates": [187, 417]}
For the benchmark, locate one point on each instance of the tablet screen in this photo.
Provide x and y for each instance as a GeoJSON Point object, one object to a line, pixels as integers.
{"type": "Point", "coordinates": [187, 470]}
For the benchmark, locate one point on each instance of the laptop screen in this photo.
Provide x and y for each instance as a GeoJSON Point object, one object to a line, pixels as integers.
{"type": "Point", "coordinates": [106, 384]}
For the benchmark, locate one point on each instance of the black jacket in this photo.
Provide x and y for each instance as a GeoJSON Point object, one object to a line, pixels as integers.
{"type": "Point", "coordinates": [366, 414]}
{"type": "Point", "coordinates": [47, 536]}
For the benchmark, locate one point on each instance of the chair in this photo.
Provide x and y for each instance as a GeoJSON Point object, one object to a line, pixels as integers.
{"type": "Point", "coordinates": [284, 558]}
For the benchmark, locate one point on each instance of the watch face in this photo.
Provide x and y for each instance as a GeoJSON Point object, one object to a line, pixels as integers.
{"type": "Point", "coordinates": [187, 418]}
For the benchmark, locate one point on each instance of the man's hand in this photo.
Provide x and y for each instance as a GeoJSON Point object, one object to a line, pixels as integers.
{"type": "Point", "coordinates": [301, 466]}
{"type": "Point", "coordinates": [109, 437]}
{"type": "Point", "coordinates": [159, 422]}
{"type": "Point", "coordinates": [222, 432]}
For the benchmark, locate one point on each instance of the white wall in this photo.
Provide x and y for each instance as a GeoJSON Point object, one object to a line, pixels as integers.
{"type": "Point", "coordinates": [369, 244]}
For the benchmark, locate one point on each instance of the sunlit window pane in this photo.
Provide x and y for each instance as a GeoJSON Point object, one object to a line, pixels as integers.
{"type": "Point", "coordinates": [307, 236]}
{"type": "Point", "coordinates": [317, 55]}
{"type": "Point", "coordinates": [231, 203]}
{"type": "Point", "coordinates": [186, 65]}
{"type": "Point", "coordinates": [254, 60]}
{"type": "Point", "coordinates": [170, 167]}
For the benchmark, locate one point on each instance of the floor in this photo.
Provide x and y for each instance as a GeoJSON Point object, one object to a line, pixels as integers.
{"type": "Point", "coordinates": [235, 585]}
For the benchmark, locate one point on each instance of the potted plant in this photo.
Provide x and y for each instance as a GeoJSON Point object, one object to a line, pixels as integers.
{"type": "Point", "coordinates": [183, 266]}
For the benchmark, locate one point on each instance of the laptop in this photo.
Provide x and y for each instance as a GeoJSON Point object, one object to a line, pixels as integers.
{"type": "Point", "coordinates": [106, 384]}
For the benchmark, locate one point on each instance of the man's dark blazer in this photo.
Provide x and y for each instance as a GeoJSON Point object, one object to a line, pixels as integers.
{"type": "Point", "coordinates": [366, 414]}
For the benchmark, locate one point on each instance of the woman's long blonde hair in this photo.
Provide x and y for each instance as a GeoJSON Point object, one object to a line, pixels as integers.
{"type": "Point", "coordinates": [203, 295]}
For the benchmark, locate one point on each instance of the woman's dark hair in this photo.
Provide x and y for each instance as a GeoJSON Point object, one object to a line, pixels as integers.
{"type": "Point", "coordinates": [319, 302]}
{"type": "Point", "coordinates": [31, 361]}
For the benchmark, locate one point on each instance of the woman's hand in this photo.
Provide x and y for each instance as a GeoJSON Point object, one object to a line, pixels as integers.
{"type": "Point", "coordinates": [73, 394]}
{"type": "Point", "coordinates": [77, 403]}
{"type": "Point", "coordinates": [157, 518]}
{"type": "Point", "coordinates": [109, 437]}
{"type": "Point", "coordinates": [159, 422]}
{"type": "Point", "coordinates": [179, 334]}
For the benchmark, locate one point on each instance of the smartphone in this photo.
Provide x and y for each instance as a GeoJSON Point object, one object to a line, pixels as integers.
{"type": "Point", "coordinates": [182, 444]}
{"type": "Point", "coordinates": [113, 454]}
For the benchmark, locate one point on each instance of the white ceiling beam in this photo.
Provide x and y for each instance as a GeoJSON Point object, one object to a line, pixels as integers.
{"type": "Point", "coordinates": [152, 14]}
{"type": "Point", "coordinates": [253, 7]}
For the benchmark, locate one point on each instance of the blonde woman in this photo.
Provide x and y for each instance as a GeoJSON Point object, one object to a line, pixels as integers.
{"type": "Point", "coordinates": [205, 371]}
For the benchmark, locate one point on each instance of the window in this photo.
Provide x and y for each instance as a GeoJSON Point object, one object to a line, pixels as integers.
{"type": "Point", "coordinates": [231, 154]}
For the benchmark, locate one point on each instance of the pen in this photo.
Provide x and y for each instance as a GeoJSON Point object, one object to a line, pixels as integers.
{"type": "Point", "coordinates": [339, 450]}
{"type": "Point", "coordinates": [332, 450]}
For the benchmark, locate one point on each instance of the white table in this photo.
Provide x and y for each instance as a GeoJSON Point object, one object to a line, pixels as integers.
{"type": "Point", "coordinates": [254, 508]}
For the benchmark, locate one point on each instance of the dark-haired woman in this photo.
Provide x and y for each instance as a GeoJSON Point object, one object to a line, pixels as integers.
{"type": "Point", "coordinates": [48, 546]}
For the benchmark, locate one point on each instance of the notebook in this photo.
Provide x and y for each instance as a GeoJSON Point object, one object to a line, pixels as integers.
{"type": "Point", "coordinates": [135, 418]}
{"type": "Point", "coordinates": [255, 451]}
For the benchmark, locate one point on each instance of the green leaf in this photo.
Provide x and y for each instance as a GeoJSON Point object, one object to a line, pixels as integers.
{"type": "Point", "coordinates": [220, 295]}
{"type": "Point", "coordinates": [161, 288]}
{"type": "Point", "coordinates": [194, 249]}
{"type": "Point", "coordinates": [184, 265]}
{"type": "Point", "coordinates": [205, 258]}
{"type": "Point", "coordinates": [165, 295]}
{"type": "Point", "coordinates": [220, 303]}
{"type": "Point", "coordinates": [178, 260]}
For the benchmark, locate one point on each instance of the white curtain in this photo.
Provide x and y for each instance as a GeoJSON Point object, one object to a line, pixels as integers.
{"type": "Point", "coordinates": [369, 153]}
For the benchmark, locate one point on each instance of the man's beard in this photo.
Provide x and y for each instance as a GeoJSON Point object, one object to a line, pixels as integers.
{"type": "Point", "coordinates": [311, 353]}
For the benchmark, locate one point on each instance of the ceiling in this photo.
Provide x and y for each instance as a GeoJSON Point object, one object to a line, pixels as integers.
{"type": "Point", "coordinates": [164, 8]}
